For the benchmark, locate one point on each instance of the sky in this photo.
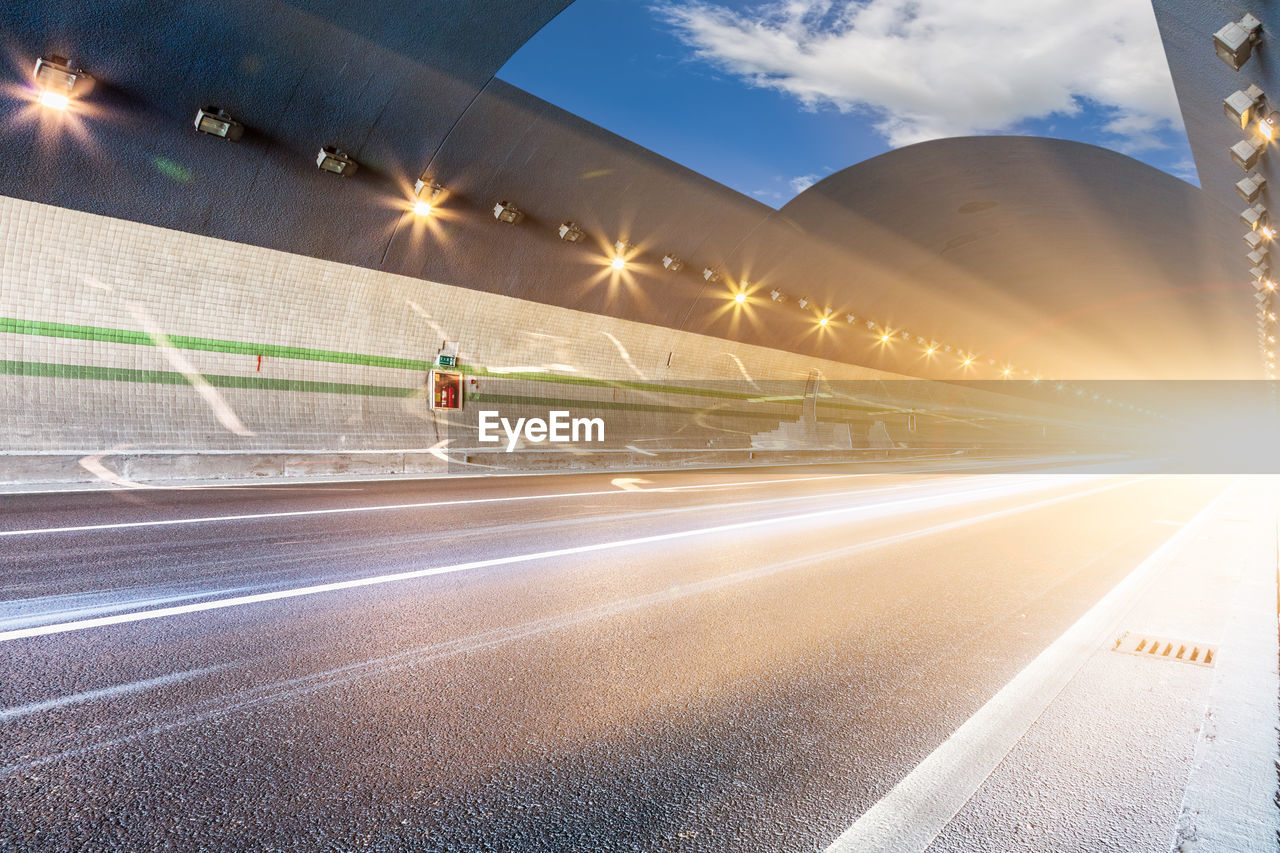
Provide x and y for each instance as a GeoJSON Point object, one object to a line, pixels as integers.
{"type": "Point", "coordinates": [770, 97]}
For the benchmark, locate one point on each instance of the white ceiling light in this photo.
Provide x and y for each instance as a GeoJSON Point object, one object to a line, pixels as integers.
{"type": "Point", "coordinates": [54, 74]}
{"type": "Point", "coordinates": [571, 233]}
{"type": "Point", "coordinates": [215, 122]}
{"type": "Point", "coordinates": [336, 161]}
{"type": "Point", "coordinates": [425, 192]}
{"type": "Point", "coordinates": [505, 211]}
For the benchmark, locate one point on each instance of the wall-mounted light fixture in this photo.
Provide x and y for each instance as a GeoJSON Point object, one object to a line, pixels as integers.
{"type": "Point", "coordinates": [1247, 152]}
{"type": "Point", "coordinates": [710, 275]}
{"type": "Point", "coordinates": [571, 233]}
{"type": "Point", "coordinates": [1251, 186]}
{"type": "Point", "coordinates": [1258, 256]}
{"type": "Point", "coordinates": [672, 263]}
{"type": "Point", "coordinates": [777, 296]}
{"type": "Point", "coordinates": [1255, 217]}
{"type": "Point", "coordinates": [1234, 42]}
{"type": "Point", "coordinates": [336, 161]}
{"type": "Point", "coordinates": [1255, 240]}
{"type": "Point", "coordinates": [1243, 104]}
{"type": "Point", "coordinates": [216, 122]}
{"type": "Point", "coordinates": [505, 211]}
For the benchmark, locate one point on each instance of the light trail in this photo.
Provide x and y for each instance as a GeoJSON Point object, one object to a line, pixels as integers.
{"type": "Point", "coordinates": [864, 512]}
{"type": "Point", "coordinates": [260, 695]}
{"type": "Point", "coordinates": [303, 513]}
{"type": "Point", "coordinates": [20, 711]}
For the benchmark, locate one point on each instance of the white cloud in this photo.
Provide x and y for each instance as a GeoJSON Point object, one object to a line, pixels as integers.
{"type": "Point", "coordinates": [803, 182]}
{"type": "Point", "coordinates": [925, 69]}
{"type": "Point", "coordinates": [1186, 169]}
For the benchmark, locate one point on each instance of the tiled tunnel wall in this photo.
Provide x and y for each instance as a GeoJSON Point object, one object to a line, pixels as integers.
{"type": "Point", "coordinates": [123, 338]}
{"type": "Point", "coordinates": [268, 351]}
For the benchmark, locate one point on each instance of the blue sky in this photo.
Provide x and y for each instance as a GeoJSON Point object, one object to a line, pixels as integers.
{"type": "Point", "coordinates": [767, 97]}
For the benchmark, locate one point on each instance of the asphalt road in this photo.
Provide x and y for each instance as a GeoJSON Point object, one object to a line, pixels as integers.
{"type": "Point", "coordinates": [705, 660]}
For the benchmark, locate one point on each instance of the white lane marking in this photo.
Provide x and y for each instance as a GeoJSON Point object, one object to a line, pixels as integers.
{"type": "Point", "coordinates": [19, 711]}
{"type": "Point", "coordinates": [168, 522]}
{"type": "Point", "coordinates": [920, 806]}
{"type": "Point", "coordinates": [328, 679]}
{"type": "Point", "coordinates": [866, 511]}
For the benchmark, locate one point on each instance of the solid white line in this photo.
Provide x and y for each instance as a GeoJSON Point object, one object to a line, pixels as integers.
{"type": "Point", "coordinates": [920, 806]}
{"type": "Point", "coordinates": [169, 522]}
{"type": "Point", "coordinates": [871, 511]}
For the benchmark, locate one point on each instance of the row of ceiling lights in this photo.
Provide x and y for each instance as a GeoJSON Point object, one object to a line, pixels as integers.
{"type": "Point", "coordinates": [1249, 108]}
{"type": "Point", "coordinates": [624, 252]}
{"type": "Point", "coordinates": [60, 82]}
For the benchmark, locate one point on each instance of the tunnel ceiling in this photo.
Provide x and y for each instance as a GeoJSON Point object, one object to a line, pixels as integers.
{"type": "Point", "coordinates": [1061, 258]}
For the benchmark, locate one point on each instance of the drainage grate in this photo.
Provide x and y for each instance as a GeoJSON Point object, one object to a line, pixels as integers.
{"type": "Point", "coordinates": [1164, 648]}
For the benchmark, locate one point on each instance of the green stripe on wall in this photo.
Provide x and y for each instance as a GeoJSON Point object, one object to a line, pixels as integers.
{"type": "Point", "coordinates": [125, 336]}
{"type": "Point", "coordinates": [170, 377]}
{"type": "Point", "coordinates": [47, 370]}
{"type": "Point", "coordinates": [186, 342]}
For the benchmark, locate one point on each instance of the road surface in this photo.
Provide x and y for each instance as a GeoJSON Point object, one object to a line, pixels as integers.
{"type": "Point", "coordinates": [703, 660]}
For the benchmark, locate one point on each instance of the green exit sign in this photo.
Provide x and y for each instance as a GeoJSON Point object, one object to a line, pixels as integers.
{"type": "Point", "coordinates": [447, 361]}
